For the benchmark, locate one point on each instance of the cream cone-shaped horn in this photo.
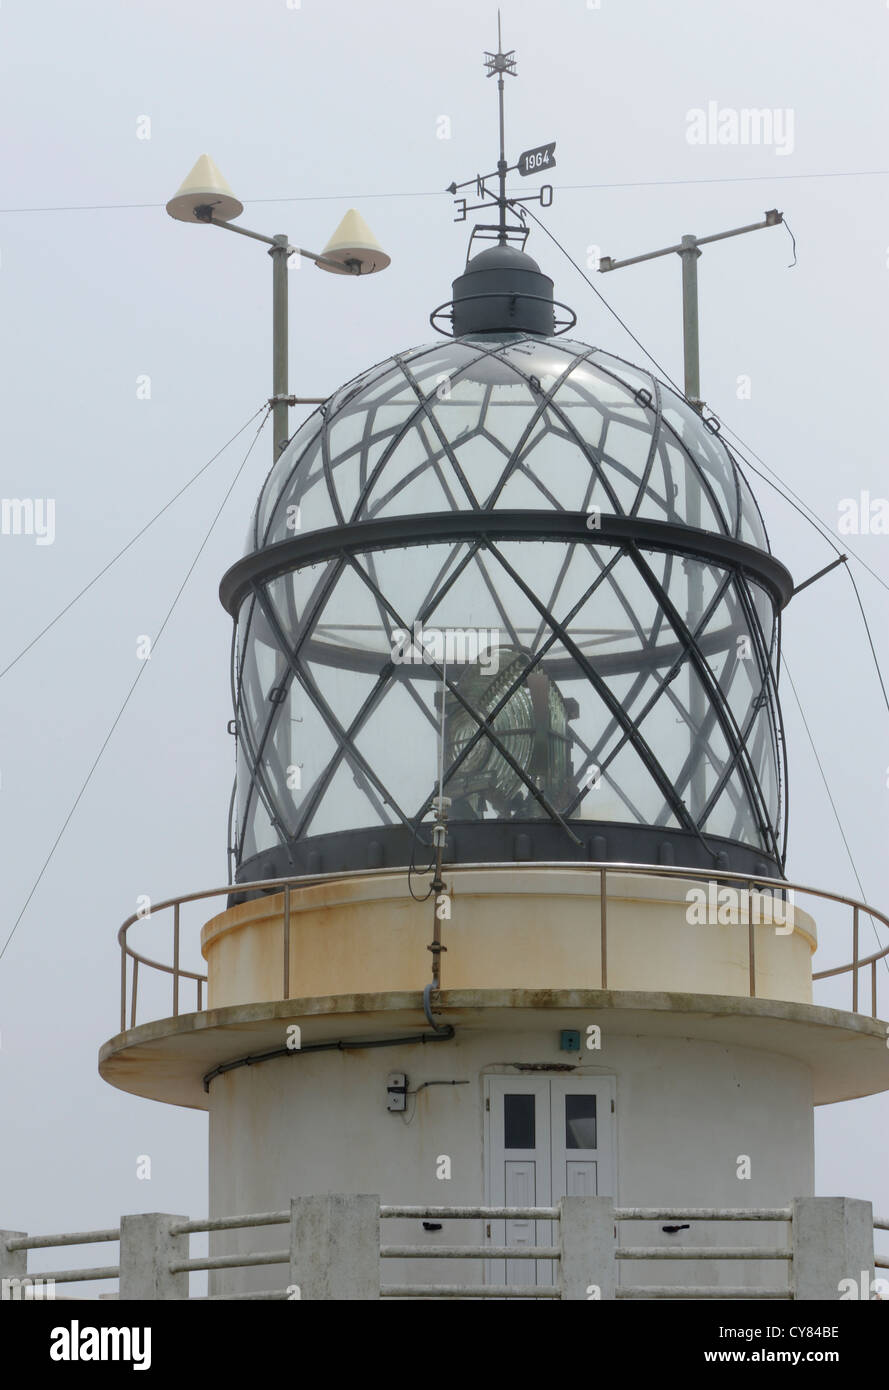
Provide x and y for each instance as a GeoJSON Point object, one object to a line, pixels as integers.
{"type": "Point", "coordinates": [204, 187]}
{"type": "Point", "coordinates": [354, 242]}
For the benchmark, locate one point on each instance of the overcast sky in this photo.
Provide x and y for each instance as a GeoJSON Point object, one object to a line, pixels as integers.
{"type": "Point", "coordinates": [309, 109]}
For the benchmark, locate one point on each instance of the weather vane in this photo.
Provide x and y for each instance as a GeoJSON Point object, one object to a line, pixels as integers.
{"type": "Point", "coordinates": [535, 161]}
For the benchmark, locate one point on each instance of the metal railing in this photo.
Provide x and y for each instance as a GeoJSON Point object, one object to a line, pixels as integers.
{"type": "Point", "coordinates": [471, 1252]}
{"type": "Point", "coordinates": [248, 1261]}
{"type": "Point", "coordinates": [756, 896]}
{"type": "Point", "coordinates": [881, 1261]}
{"type": "Point", "coordinates": [554, 1252]}
{"type": "Point", "coordinates": [50, 1277]}
{"type": "Point", "coordinates": [159, 1262]}
{"type": "Point", "coordinates": [711, 1252]}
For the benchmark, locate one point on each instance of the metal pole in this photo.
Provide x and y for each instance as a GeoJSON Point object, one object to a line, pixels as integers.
{"type": "Point", "coordinates": [135, 991]}
{"type": "Point", "coordinates": [280, 427]}
{"type": "Point", "coordinates": [690, 343]}
{"type": "Point", "coordinates": [692, 355]}
{"type": "Point", "coordinates": [124, 986]}
{"type": "Point", "coordinates": [689, 251]}
{"type": "Point", "coordinates": [855, 960]}
{"type": "Point", "coordinates": [603, 926]}
{"type": "Point", "coordinates": [175, 960]}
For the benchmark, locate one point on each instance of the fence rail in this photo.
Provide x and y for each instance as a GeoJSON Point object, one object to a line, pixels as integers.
{"type": "Point", "coordinates": [586, 1256]}
{"type": "Point", "coordinates": [756, 895]}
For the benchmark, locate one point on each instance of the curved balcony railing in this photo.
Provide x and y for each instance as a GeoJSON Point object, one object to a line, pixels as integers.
{"type": "Point", "coordinates": [757, 897]}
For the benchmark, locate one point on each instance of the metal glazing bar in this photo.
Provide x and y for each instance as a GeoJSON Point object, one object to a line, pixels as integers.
{"type": "Point", "coordinates": [485, 724]}
{"type": "Point", "coordinates": [727, 722]}
{"type": "Point", "coordinates": [615, 708]}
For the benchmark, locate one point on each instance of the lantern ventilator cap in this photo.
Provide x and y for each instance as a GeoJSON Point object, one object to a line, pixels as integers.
{"type": "Point", "coordinates": [503, 290]}
{"type": "Point", "coordinates": [204, 188]}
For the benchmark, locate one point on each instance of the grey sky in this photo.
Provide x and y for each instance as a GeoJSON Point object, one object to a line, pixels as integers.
{"type": "Point", "coordinates": [323, 107]}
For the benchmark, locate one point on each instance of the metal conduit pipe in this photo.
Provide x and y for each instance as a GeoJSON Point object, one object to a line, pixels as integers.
{"type": "Point", "coordinates": [441, 1034]}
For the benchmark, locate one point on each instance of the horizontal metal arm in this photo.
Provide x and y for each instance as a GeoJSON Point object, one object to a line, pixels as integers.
{"type": "Point", "coordinates": [772, 219]}
{"type": "Point", "coordinates": [270, 241]}
{"type": "Point", "coordinates": [841, 559]}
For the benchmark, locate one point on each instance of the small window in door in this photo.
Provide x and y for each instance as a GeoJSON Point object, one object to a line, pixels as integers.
{"type": "Point", "coordinates": [580, 1122]}
{"type": "Point", "coordinates": [519, 1122]}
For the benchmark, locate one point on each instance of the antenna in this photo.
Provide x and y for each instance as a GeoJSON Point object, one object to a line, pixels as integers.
{"type": "Point", "coordinates": [501, 63]}
{"type": "Point", "coordinates": [538, 160]}
{"type": "Point", "coordinates": [438, 888]}
{"type": "Point", "coordinates": [444, 675]}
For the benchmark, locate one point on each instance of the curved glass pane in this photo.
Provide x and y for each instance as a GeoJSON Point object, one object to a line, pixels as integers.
{"type": "Point", "coordinates": [584, 681]}
{"type": "Point", "coordinates": [505, 422]}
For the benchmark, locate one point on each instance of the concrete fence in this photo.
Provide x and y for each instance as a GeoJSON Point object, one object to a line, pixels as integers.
{"type": "Point", "coordinates": [336, 1250]}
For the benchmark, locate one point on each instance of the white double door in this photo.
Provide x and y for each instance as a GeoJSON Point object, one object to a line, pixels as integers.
{"type": "Point", "coordinates": [546, 1138]}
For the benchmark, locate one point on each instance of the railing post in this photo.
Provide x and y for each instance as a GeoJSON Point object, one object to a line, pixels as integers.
{"type": "Point", "coordinates": [833, 1242]}
{"type": "Point", "coordinates": [135, 989]}
{"type": "Point", "coordinates": [286, 994]}
{"type": "Point", "coordinates": [123, 986]}
{"type": "Point", "coordinates": [873, 989]}
{"type": "Point", "coordinates": [855, 960]}
{"type": "Point", "coordinates": [335, 1246]}
{"type": "Point", "coordinates": [588, 1240]}
{"type": "Point", "coordinates": [175, 960]}
{"type": "Point", "coordinates": [147, 1249]}
{"type": "Point", "coordinates": [751, 942]}
{"type": "Point", "coordinates": [603, 925]}
{"type": "Point", "coordinates": [13, 1264]}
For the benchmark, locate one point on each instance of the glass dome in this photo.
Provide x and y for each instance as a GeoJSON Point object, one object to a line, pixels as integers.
{"type": "Point", "coordinates": [529, 560]}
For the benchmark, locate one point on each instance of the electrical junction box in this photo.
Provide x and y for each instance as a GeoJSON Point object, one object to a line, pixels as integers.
{"type": "Point", "coordinates": [396, 1087]}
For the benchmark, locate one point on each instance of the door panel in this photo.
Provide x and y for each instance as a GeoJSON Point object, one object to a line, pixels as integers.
{"type": "Point", "coordinates": [581, 1127]}
{"type": "Point", "coordinates": [518, 1172]}
{"type": "Point", "coordinates": [545, 1138]}
{"type": "Point", "coordinates": [581, 1179]}
{"type": "Point", "coordinates": [520, 1191]}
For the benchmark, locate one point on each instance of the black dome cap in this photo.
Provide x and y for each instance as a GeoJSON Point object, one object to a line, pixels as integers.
{"type": "Point", "coordinates": [503, 290]}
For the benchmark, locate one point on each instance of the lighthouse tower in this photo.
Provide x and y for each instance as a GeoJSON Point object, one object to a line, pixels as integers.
{"type": "Point", "coordinates": [509, 919]}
